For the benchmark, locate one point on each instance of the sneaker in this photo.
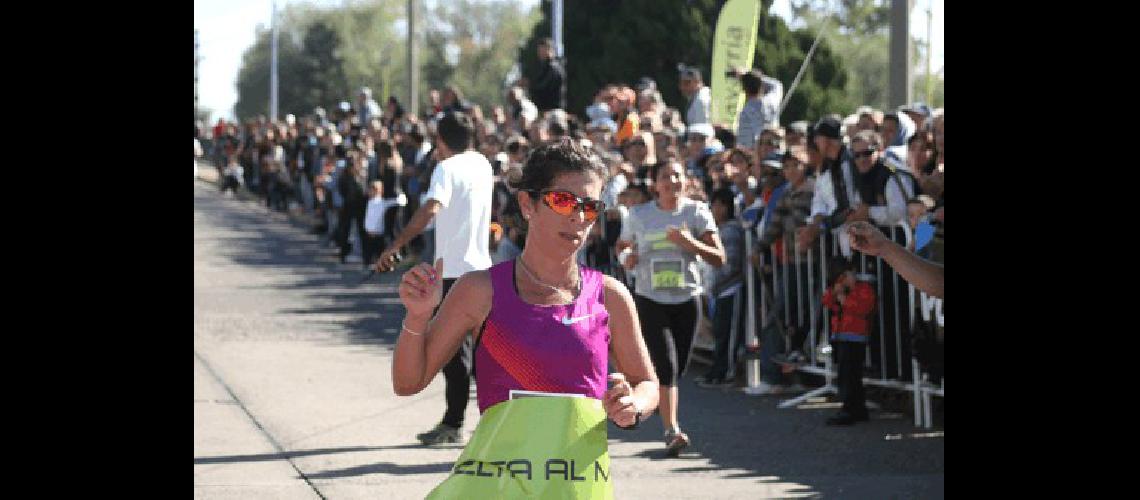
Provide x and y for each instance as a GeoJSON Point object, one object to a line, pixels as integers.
{"type": "Point", "coordinates": [675, 441]}
{"type": "Point", "coordinates": [712, 382]}
{"type": "Point", "coordinates": [441, 434]}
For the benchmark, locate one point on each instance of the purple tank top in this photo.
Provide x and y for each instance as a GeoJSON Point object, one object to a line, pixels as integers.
{"type": "Point", "coordinates": [562, 348]}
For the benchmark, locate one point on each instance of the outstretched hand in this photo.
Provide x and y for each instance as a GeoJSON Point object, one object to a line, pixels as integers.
{"type": "Point", "coordinates": [867, 238]}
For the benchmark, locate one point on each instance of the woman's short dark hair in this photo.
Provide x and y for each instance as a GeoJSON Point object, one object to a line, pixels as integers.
{"type": "Point", "coordinates": [548, 161]}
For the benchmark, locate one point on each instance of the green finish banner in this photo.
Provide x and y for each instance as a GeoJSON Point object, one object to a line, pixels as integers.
{"type": "Point", "coordinates": [733, 46]}
{"type": "Point", "coordinates": [534, 447]}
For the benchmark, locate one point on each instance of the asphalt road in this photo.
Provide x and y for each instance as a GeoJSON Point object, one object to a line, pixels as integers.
{"type": "Point", "coordinates": [292, 396]}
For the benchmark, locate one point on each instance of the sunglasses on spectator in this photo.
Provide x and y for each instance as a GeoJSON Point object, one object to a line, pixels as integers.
{"type": "Point", "coordinates": [863, 154]}
{"type": "Point", "coordinates": [566, 203]}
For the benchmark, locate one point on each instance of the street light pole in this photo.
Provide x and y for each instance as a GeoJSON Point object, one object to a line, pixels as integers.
{"type": "Point", "coordinates": [413, 62]}
{"type": "Point", "coordinates": [273, 67]}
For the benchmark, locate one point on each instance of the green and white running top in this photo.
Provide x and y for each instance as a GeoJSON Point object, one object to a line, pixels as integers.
{"type": "Point", "coordinates": [665, 273]}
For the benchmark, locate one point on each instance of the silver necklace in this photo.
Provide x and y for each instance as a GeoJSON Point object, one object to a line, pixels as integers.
{"type": "Point", "coordinates": [540, 282]}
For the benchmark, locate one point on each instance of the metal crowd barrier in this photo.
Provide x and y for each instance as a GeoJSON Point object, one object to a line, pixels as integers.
{"type": "Point", "coordinates": [818, 350]}
{"type": "Point", "coordinates": [818, 322]}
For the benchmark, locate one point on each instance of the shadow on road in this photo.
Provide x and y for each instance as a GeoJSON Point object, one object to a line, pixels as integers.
{"type": "Point", "coordinates": [371, 310]}
{"type": "Point", "coordinates": [294, 454]}
{"type": "Point", "coordinates": [384, 468]}
{"type": "Point", "coordinates": [742, 435]}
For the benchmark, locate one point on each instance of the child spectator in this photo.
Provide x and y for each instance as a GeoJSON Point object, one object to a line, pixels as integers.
{"type": "Point", "coordinates": [851, 303]}
{"type": "Point", "coordinates": [232, 175]}
{"type": "Point", "coordinates": [374, 221]}
{"type": "Point", "coordinates": [727, 292]}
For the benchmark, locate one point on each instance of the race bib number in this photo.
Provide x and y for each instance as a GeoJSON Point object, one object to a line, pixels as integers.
{"type": "Point", "coordinates": [668, 274]}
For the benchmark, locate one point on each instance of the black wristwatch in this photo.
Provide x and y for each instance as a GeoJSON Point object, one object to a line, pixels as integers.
{"type": "Point", "coordinates": [636, 420]}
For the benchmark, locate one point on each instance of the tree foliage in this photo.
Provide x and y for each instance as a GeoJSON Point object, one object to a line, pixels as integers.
{"type": "Point", "coordinates": [615, 42]}
{"type": "Point", "coordinates": [326, 54]}
{"type": "Point", "coordinates": [859, 32]}
{"type": "Point", "coordinates": [473, 45]}
{"type": "Point", "coordinates": [612, 42]}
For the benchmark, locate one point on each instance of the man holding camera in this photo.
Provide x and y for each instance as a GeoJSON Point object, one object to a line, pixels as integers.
{"type": "Point", "coordinates": [759, 112]}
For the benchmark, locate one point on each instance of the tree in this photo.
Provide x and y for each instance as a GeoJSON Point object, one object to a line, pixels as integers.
{"type": "Point", "coordinates": [310, 73]}
{"type": "Point", "coordinates": [326, 54]}
{"type": "Point", "coordinates": [613, 42]}
{"type": "Point", "coordinates": [486, 37]}
{"type": "Point", "coordinates": [608, 42]}
{"type": "Point", "coordinates": [859, 31]}
{"type": "Point", "coordinates": [780, 52]}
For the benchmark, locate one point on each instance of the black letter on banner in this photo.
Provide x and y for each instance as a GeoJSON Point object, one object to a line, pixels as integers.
{"type": "Point", "coordinates": [479, 471]}
{"type": "Point", "coordinates": [499, 465]}
{"type": "Point", "coordinates": [465, 464]}
{"type": "Point", "coordinates": [598, 470]}
{"type": "Point", "coordinates": [558, 461]}
{"type": "Point", "coordinates": [524, 470]}
{"type": "Point", "coordinates": [572, 476]}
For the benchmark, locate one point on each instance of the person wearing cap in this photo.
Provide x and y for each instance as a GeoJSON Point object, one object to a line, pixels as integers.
{"type": "Point", "coordinates": [796, 134]}
{"type": "Point", "coordinates": [702, 142]}
{"type": "Point", "coordinates": [698, 94]}
{"type": "Point", "coordinates": [918, 112]}
{"type": "Point", "coordinates": [833, 186]}
{"type": "Point", "coordinates": [782, 218]}
{"type": "Point", "coordinates": [769, 172]}
{"type": "Point", "coordinates": [768, 146]}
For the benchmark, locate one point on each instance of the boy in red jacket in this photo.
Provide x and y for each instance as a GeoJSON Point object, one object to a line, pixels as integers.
{"type": "Point", "coordinates": [851, 303]}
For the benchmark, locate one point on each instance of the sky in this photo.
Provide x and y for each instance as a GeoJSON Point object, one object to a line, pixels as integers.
{"type": "Point", "coordinates": [227, 27]}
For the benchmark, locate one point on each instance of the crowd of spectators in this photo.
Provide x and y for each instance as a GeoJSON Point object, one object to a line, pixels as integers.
{"type": "Point", "coordinates": [361, 169]}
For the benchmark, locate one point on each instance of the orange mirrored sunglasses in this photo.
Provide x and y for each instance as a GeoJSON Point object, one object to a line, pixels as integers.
{"type": "Point", "coordinates": [566, 203]}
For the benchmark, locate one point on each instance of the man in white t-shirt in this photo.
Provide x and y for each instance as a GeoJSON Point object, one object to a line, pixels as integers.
{"type": "Point", "coordinates": [698, 94]}
{"type": "Point", "coordinates": [459, 201]}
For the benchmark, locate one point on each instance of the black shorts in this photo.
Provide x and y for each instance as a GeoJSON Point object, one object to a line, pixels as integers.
{"type": "Point", "coordinates": [669, 358]}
